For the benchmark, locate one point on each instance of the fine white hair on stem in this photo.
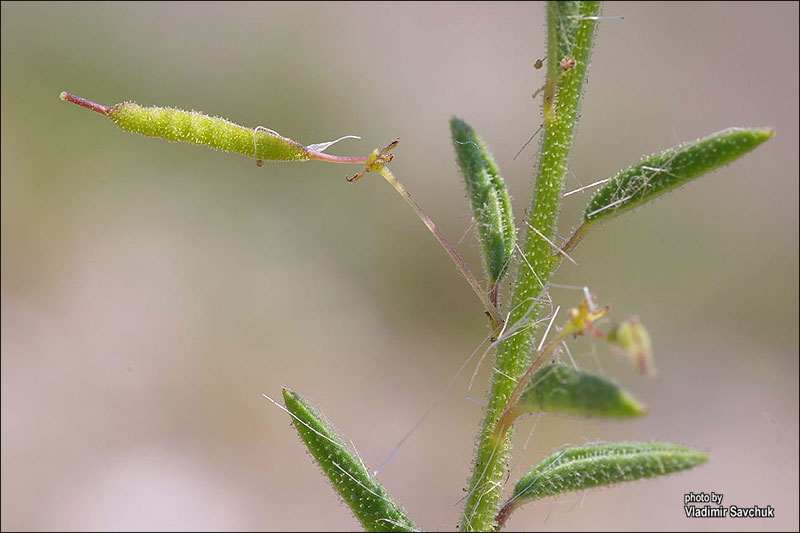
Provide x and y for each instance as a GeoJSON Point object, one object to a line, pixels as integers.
{"type": "Point", "coordinates": [551, 243]}
{"type": "Point", "coordinates": [497, 370]}
{"type": "Point", "coordinates": [360, 460]}
{"type": "Point", "coordinates": [486, 352]}
{"type": "Point", "coordinates": [563, 286]}
{"type": "Point", "coordinates": [493, 485]}
{"type": "Point", "coordinates": [604, 17]}
{"type": "Point", "coordinates": [529, 264]}
{"type": "Point", "coordinates": [518, 326]}
{"type": "Point", "coordinates": [397, 524]}
{"type": "Point", "coordinates": [348, 474]}
{"type": "Point", "coordinates": [581, 189]}
{"type": "Point", "coordinates": [569, 354]}
{"type": "Point", "coordinates": [480, 478]}
{"type": "Point", "coordinates": [466, 231]}
{"type": "Point", "coordinates": [529, 141]}
{"type": "Point", "coordinates": [571, 173]}
{"type": "Point", "coordinates": [544, 337]}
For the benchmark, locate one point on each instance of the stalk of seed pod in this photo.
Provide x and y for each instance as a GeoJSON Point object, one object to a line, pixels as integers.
{"type": "Point", "coordinates": [193, 127]}
{"type": "Point", "coordinates": [491, 207]}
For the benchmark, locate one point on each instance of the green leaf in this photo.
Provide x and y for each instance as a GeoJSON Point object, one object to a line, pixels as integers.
{"type": "Point", "coordinates": [491, 207]}
{"type": "Point", "coordinates": [559, 389]}
{"type": "Point", "coordinates": [658, 173]}
{"type": "Point", "coordinates": [596, 465]}
{"type": "Point", "coordinates": [368, 501]}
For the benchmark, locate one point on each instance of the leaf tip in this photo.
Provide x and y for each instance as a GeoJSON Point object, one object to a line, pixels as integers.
{"type": "Point", "coordinates": [765, 133]}
{"type": "Point", "coordinates": [289, 396]}
{"type": "Point", "coordinates": [456, 124]}
{"type": "Point", "coordinates": [631, 406]}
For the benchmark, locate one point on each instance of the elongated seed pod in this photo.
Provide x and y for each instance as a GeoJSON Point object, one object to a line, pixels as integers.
{"type": "Point", "coordinates": [367, 499]}
{"type": "Point", "coordinates": [596, 465]}
{"type": "Point", "coordinates": [193, 127]}
{"type": "Point", "coordinates": [491, 207]}
{"type": "Point", "coordinates": [559, 389]}
{"type": "Point", "coordinates": [658, 173]}
{"type": "Point", "coordinates": [214, 132]}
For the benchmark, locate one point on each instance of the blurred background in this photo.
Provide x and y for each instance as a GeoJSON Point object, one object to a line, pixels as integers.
{"type": "Point", "coordinates": [151, 292]}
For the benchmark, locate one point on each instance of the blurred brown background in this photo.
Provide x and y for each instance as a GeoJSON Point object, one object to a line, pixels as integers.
{"type": "Point", "coordinates": [151, 292]}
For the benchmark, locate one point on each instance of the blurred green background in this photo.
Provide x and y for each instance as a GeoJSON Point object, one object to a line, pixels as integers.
{"type": "Point", "coordinates": [151, 292]}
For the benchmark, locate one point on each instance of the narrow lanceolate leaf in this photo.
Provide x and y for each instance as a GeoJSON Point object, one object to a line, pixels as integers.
{"type": "Point", "coordinates": [194, 127]}
{"type": "Point", "coordinates": [562, 390]}
{"type": "Point", "coordinates": [368, 501]}
{"type": "Point", "coordinates": [656, 174]}
{"type": "Point", "coordinates": [491, 207]}
{"type": "Point", "coordinates": [596, 465]}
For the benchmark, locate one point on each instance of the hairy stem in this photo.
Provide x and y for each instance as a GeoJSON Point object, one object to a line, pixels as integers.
{"type": "Point", "coordinates": [562, 94]}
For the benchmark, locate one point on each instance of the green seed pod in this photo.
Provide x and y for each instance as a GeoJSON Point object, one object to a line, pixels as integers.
{"type": "Point", "coordinates": [596, 465]}
{"type": "Point", "coordinates": [215, 132]}
{"type": "Point", "coordinates": [193, 127]}
{"type": "Point", "coordinates": [559, 389]}
{"type": "Point", "coordinates": [659, 173]}
{"type": "Point", "coordinates": [368, 500]}
{"type": "Point", "coordinates": [491, 207]}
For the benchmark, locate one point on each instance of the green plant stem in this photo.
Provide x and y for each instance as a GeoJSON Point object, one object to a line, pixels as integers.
{"type": "Point", "coordinates": [561, 98]}
{"type": "Point", "coordinates": [491, 309]}
{"type": "Point", "coordinates": [504, 422]}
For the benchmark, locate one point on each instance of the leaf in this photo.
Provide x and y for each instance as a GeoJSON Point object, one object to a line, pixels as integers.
{"type": "Point", "coordinates": [491, 207]}
{"type": "Point", "coordinates": [596, 465]}
{"type": "Point", "coordinates": [658, 173]}
{"type": "Point", "coordinates": [368, 500]}
{"type": "Point", "coordinates": [559, 389]}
